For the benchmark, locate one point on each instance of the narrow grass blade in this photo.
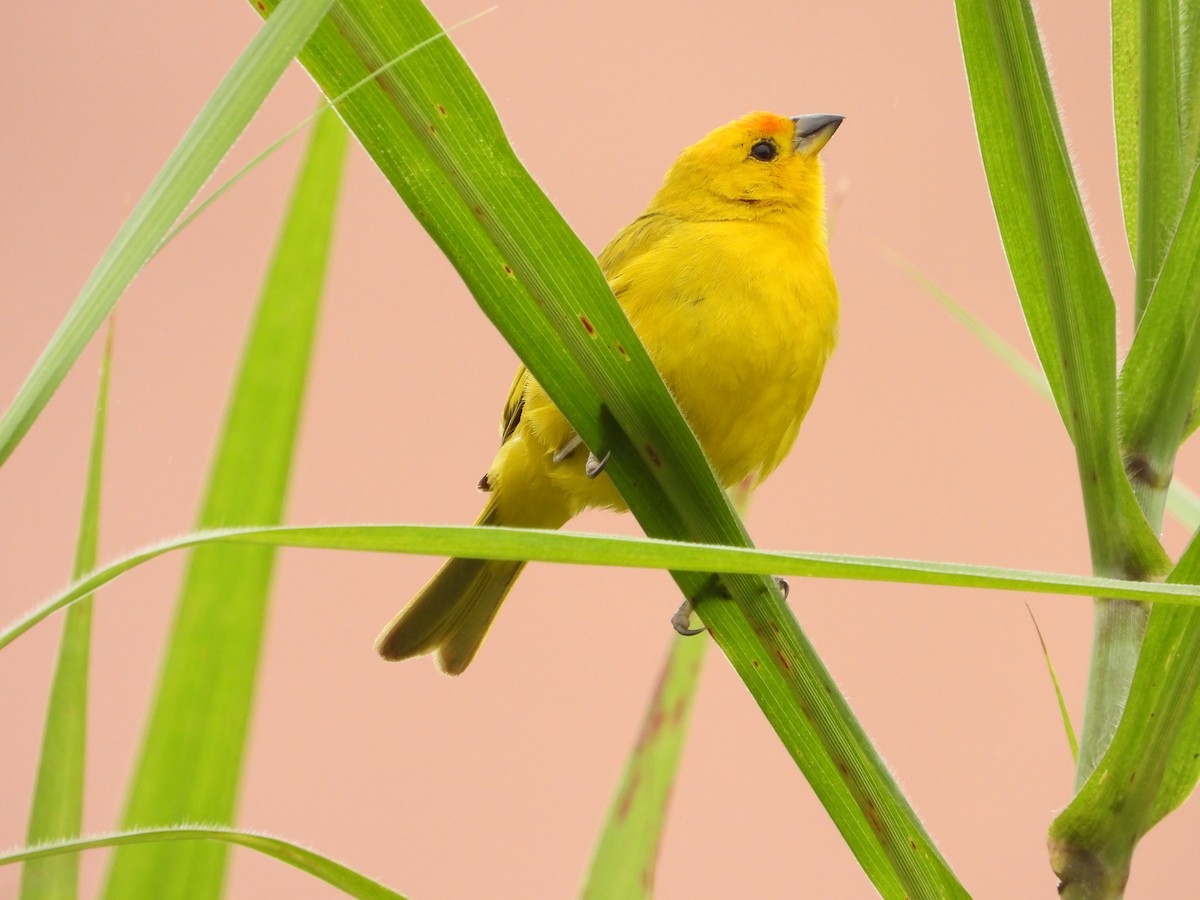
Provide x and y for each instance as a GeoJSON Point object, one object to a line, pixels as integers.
{"type": "Point", "coordinates": [1182, 502]}
{"type": "Point", "coordinates": [602, 550]}
{"type": "Point", "coordinates": [222, 119]}
{"type": "Point", "coordinates": [191, 758]}
{"type": "Point", "coordinates": [434, 134]}
{"type": "Point", "coordinates": [1126, 75]}
{"type": "Point", "coordinates": [1063, 292]}
{"type": "Point", "coordinates": [1072, 742]}
{"type": "Point", "coordinates": [1006, 352]}
{"type": "Point", "coordinates": [334, 873]}
{"type": "Point", "coordinates": [1071, 316]}
{"type": "Point", "coordinates": [624, 861]}
{"type": "Point", "coordinates": [57, 809]}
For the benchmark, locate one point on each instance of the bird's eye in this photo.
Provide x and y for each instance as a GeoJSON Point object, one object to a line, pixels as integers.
{"type": "Point", "coordinates": [764, 151]}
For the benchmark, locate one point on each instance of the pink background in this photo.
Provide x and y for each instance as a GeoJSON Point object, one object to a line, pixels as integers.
{"type": "Point", "coordinates": [920, 444]}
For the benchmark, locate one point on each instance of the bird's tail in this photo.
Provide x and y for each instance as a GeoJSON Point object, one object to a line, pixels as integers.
{"type": "Point", "coordinates": [452, 613]}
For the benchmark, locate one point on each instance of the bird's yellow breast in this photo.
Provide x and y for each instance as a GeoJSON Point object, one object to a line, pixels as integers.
{"type": "Point", "coordinates": [740, 318]}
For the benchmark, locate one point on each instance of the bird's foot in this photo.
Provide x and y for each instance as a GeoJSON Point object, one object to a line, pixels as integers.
{"type": "Point", "coordinates": [682, 620]}
{"type": "Point", "coordinates": [783, 586]}
{"type": "Point", "coordinates": [593, 466]}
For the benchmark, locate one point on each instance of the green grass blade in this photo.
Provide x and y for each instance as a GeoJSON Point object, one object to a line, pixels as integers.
{"type": "Point", "coordinates": [1069, 728]}
{"type": "Point", "coordinates": [602, 550]}
{"type": "Point", "coordinates": [57, 809]}
{"type": "Point", "coordinates": [191, 758]}
{"type": "Point", "coordinates": [1071, 316]}
{"type": "Point", "coordinates": [329, 871]}
{"type": "Point", "coordinates": [624, 861]}
{"type": "Point", "coordinates": [1046, 237]}
{"type": "Point", "coordinates": [1006, 352]}
{"type": "Point", "coordinates": [1126, 74]}
{"type": "Point", "coordinates": [222, 119]}
{"type": "Point", "coordinates": [1164, 168]}
{"type": "Point", "coordinates": [434, 134]}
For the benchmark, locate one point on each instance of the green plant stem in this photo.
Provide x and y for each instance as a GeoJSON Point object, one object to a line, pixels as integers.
{"type": "Point", "coordinates": [1117, 630]}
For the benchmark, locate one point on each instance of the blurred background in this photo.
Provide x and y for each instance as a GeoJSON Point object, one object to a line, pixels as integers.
{"type": "Point", "coordinates": [920, 444]}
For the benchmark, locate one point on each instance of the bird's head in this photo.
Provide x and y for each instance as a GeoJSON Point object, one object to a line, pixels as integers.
{"type": "Point", "coordinates": [755, 165]}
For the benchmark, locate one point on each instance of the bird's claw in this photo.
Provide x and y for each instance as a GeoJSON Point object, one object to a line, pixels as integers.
{"type": "Point", "coordinates": [783, 586]}
{"type": "Point", "coordinates": [682, 620]}
{"type": "Point", "coordinates": [593, 466]}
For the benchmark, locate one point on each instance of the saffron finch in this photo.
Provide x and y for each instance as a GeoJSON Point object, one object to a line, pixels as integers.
{"type": "Point", "coordinates": [726, 279]}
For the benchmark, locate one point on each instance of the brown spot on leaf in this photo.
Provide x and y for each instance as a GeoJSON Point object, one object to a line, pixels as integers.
{"type": "Point", "coordinates": [441, 109]}
{"type": "Point", "coordinates": [873, 817]}
{"type": "Point", "coordinates": [588, 326]}
{"type": "Point", "coordinates": [508, 270]}
{"type": "Point", "coordinates": [754, 662]}
{"type": "Point", "coordinates": [627, 795]}
{"type": "Point", "coordinates": [783, 660]}
{"type": "Point", "coordinates": [677, 711]}
{"type": "Point", "coordinates": [653, 457]}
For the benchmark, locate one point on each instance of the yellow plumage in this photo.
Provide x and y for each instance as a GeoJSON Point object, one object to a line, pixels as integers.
{"type": "Point", "coordinates": [726, 279]}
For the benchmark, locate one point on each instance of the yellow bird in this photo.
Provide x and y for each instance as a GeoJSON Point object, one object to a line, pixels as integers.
{"type": "Point", "coordinates": [726, 279]}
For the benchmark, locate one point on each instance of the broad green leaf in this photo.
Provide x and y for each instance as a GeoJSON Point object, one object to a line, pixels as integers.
{"type": "Point", "coordinates": [434, 134]}
{"type": "Point", "coordinates": [1063, 292]}
{"type": "Point", "coordinates": [1126, 72]}
{"type": "Point", "coordinates": [190, 763]}
{"type": "Point", "coordinates": [624, 861]}
{"type": "Point", "coordinates": [1163, 172]}
{"type": "Point", "coordinates": [334, 873]}
{"type": "Point", "coordinates": [602, 550]}
{"type": "Point", "coordinates": [222, 119]}
{"type": "Point", "coordinates": [57, 809]}
{"type": "Point", "coordinates": [1071, 316]}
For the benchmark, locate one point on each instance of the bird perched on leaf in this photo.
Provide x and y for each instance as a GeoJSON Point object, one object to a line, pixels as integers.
{"type": "Point", "coordinates": [726, 279]}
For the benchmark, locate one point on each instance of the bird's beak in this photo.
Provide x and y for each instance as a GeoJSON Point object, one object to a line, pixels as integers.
{"type": "Point", "coordinates": [814, 132]}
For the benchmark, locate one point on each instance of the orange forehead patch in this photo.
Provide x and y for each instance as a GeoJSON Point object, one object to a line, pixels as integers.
{"type": "Point", "coordinates": [767, 123]}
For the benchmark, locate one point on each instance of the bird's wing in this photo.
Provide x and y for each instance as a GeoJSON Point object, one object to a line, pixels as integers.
{"type": "Point", "coordinates": [514, 404]}
{"type": "Point", "coordinates": [633, 240]}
